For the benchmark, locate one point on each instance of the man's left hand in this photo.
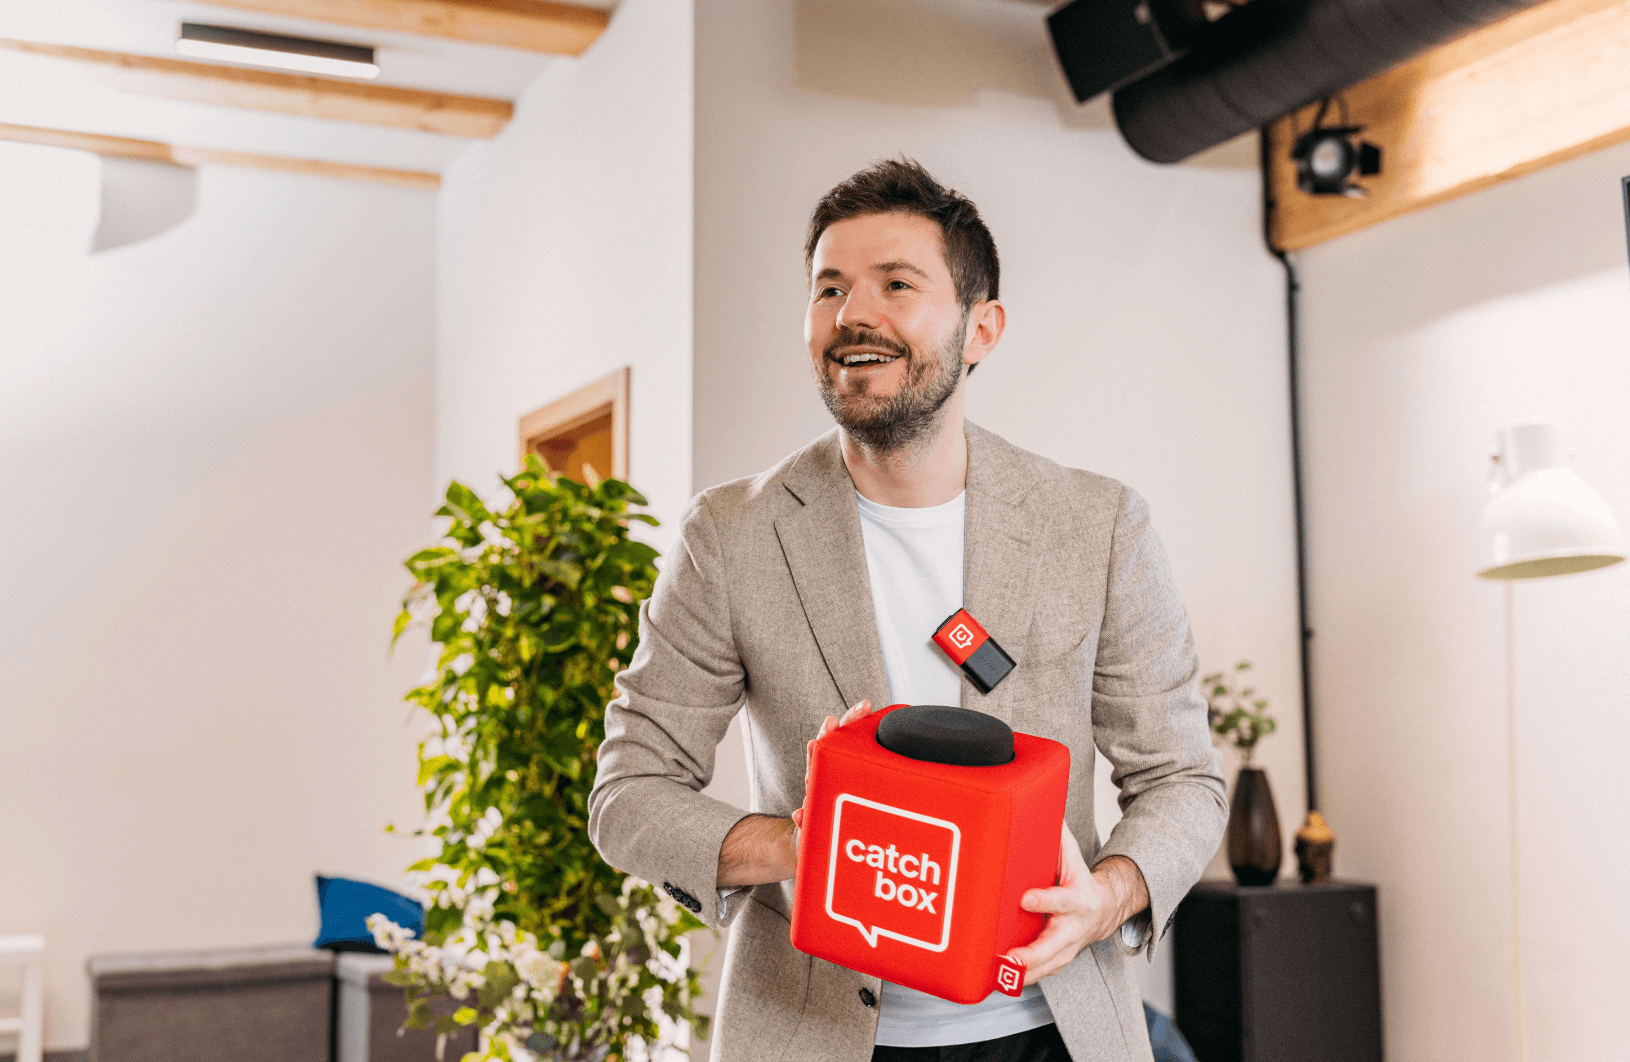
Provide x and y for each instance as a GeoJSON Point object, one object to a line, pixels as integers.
{"type": "Point", "coordinates": [1085, 907]}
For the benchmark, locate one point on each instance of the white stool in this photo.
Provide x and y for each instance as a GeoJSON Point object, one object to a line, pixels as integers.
{"type": "Point", "coordinates": [28, 951]}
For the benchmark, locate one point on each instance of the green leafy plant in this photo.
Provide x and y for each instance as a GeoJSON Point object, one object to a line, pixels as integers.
{"type": "Point", "coordinates": [534, 608]}
{"type": "Point", "coordinates": [1235, 715]}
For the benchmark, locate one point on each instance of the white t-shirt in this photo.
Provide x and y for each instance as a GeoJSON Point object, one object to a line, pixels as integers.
{"type": "Point", "coordinates": [914, 561]}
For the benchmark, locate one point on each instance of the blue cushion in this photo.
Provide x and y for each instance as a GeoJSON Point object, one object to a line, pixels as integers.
{"type": "Point", "coordinates": [345, 906]}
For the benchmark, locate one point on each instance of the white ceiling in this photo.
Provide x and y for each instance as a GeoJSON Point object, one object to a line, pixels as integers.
{"type": "Point", "coordinates": [60, 94]}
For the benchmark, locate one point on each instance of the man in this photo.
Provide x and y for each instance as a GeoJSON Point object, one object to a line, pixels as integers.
{"type": "Point", "coordinates": [810, 592]}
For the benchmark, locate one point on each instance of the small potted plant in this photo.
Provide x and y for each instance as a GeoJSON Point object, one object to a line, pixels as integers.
{"type": "Point", "coordinates": [1241, 718]}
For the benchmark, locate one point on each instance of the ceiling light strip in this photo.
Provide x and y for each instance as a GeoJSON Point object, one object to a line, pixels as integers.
{"type": "Point", "coordinates": [254, 48]}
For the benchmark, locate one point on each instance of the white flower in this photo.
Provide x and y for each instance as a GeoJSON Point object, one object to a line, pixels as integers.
{"type": "Point", "coordinates": [670, 968]}
{"type": "Point", "coordinates": [538, 970]}
{"type": "Point", "coordinates": [462, 663]}
{"type": "Point", "coordinates": [432, 667]}
{"type": "Point", "coordinates": [484, 828]}
{"type": "Point", "coordinates": [388, 934]}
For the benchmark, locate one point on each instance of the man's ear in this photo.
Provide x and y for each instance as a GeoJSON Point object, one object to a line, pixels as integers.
{"type": "Point", "coordinates": [985, 324]}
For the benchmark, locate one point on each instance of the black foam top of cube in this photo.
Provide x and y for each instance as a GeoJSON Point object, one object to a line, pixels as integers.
{"type": "Point", "coordinates": [939, 734]}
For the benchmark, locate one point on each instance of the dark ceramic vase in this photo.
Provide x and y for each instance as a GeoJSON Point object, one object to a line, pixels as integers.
{"type": "Point", "coordinates": [1254, 847]}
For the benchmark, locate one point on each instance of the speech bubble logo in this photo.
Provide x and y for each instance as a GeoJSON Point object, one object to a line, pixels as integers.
{"type": "Point", "coordinates": [892, 873]}
{"type": "Point", "coordinates": [961, 636]}
{"type": "Point", "coordinates": [1010, 975]}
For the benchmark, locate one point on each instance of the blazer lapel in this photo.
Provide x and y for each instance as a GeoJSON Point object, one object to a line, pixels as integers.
{"type": "Point", "coordinates": [1000, 560]}
{"type": "Point", "coordinates": [822, 543]}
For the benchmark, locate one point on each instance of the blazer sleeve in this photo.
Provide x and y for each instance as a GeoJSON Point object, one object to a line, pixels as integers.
{"type": "Point", "coordinates": [1149, 720]}
{"type": "Point", "coordinates": [685, 683]}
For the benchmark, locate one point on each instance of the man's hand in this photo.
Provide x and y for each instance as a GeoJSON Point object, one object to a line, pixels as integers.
{"type": "Point", "coordinates": [1083, 908]}
{"type": "Point", "coordinates": [829, 724]}
{"type": "Point", "coordinates": [764, 848]}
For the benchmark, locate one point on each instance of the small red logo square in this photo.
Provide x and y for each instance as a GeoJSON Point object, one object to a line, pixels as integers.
{"type": "Point", "coordinates": [1009, 975]}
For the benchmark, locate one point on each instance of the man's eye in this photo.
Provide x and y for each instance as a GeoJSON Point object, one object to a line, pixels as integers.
{"type": "Point", "coordinates": [898, 285]}
{"type": "Point", "coordinates": [827, 293]}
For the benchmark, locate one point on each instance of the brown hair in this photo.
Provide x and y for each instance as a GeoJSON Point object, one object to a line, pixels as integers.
{"type": "Point", "coordinates": [903, 186]}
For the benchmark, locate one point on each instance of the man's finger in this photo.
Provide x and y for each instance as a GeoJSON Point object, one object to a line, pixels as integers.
{"type": "Point", "coordinates": [1039, 954]}
{"type": "Point", "coordinates": [1053, 949]}
{"type": "Point", "coordinates": [1054, 901]}
{"type": "Point", "coordinates": [1059, 960]}
{"type": "Point", "coordinates": [859, 711]}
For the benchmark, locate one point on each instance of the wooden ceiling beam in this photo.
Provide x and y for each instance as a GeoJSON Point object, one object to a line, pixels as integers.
{"type": "Point", "coordinates": [312, 97]}
{"type": "Point", "coordinates": [1543, 86]}
{"type": "Point", "coordinates": [157, 151]}
{"type": "Point", "coordinates": [535, 25]}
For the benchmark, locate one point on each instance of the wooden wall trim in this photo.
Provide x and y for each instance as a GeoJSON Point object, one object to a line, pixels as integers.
{"type": "Point", "coordinates": [1541, 87]}
{"type": "Point", "coordinates": [157, 151]}
{"type": "Point", "coordinates": [313, 97]}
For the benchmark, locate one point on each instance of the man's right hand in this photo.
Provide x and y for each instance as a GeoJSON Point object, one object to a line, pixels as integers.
{"type": "Point", "coordinates": [764, 848]}
{"type": "Point", "coordinates": [829, 724]}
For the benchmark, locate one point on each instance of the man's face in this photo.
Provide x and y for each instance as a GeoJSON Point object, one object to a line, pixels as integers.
{"type": "Point", "coordinates": [884, 330]}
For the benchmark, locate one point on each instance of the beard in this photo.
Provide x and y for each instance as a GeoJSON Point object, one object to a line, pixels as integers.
{"type": "Point", "coordinates": [910, 415]}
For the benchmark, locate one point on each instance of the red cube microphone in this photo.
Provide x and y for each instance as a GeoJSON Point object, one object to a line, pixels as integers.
{"type": "Point", "coordinates": [975, 652]}
{"type": "Point", "coordinates": [923, 826]}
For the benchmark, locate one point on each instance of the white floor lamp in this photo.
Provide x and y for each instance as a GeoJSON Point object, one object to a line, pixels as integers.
{"type": "Point", "coordinates": [1543, 520]}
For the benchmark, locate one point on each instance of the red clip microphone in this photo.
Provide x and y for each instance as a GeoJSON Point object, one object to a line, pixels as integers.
{"type": "Point", "coordinates": [975, 652]}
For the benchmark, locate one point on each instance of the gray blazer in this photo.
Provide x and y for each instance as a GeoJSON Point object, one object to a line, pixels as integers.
{"type": "Point", "coordinates": [764, 605]}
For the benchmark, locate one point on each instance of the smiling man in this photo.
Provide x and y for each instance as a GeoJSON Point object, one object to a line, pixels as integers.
{"type": "Point", "coordinates": [811, 591]}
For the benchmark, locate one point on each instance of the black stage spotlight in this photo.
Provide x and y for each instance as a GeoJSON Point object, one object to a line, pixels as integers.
{"type": "Point", "coordinates": [1105, 43]}
{"type": "Point", "coordinates": [1329, 157]}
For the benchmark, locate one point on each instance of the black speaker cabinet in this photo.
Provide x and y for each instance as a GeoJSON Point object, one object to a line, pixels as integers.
{"type": "Point", "coordinates": [1102, 44]}
{"type": "Point", "coordinates": [1279, 973]}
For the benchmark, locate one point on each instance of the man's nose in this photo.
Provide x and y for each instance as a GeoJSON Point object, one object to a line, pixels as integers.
{"type": "Point", "coordinates": [859, 311]}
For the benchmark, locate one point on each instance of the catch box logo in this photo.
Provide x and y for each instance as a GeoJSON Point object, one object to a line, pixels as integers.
{"type": "Point", "coordinates": [892, 873]}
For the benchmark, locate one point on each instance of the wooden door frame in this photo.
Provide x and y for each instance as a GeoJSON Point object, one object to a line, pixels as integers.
{"type": "Point", "coordinates": [578, 408]}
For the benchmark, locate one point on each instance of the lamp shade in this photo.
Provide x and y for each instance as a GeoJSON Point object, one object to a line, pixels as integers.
{"type": "Point", "coordinates": [1545, 520]}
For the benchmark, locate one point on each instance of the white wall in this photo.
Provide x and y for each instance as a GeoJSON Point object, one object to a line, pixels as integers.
{"type": "Point", "coordinates": [1145, 332]}
{"type": "Point", "coordinates": [214, 453]}
{"type": "Point", "coordinates": [565, 254]}
{"type": "Point", "coordinates": [1426, 335]}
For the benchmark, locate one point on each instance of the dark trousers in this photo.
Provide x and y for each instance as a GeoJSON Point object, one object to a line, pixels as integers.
{"type": "Point", "coordinates": [1036, 1045]}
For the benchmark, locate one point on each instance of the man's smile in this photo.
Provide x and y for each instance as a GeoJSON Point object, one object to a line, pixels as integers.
{"type": "Point", "coordinates": [864, 357]}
